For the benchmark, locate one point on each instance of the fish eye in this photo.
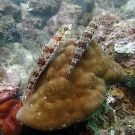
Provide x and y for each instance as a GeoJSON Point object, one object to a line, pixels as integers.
{"type": "Point", "coordinates": [66, 28]}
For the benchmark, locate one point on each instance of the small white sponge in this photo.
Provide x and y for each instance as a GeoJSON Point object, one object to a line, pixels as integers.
{"type": "Point", "coordinates": [124, 46]}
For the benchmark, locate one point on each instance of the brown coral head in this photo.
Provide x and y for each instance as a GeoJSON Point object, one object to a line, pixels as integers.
{"type": "Point", "coordinates": [59, 102]}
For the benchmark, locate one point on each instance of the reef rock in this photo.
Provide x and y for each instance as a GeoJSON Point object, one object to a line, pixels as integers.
{"type": "Point", "coordinates": [45, 7]}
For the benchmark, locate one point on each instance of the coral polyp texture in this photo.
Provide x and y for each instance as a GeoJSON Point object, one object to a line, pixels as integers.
{"type": "Point", "coordinates": [9, 125]}
{"type": "Point", "coordinates": [58, 101]}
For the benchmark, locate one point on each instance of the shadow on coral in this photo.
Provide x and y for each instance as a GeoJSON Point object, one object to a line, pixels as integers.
{"type": "Point", "coordinates": [76, 129]}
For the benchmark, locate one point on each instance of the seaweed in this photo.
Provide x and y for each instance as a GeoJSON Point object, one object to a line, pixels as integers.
{"type": "Point", "coordinates": [129, 81]}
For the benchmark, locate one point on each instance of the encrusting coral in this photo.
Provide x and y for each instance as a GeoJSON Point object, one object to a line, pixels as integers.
{"type": "Point", "coordinates": [9, 125]}
{"type": "Point", "coordinates": [7, 91]}
{"type": "Point", "coordinates": [59, 101]}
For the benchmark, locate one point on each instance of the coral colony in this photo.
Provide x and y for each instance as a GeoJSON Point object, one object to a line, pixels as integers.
{"type": "Point", "coordinates": [49, 52]}
{"type": "Point", "coordinates": [8, 123]}
{"type": "Point", "coordinates": [73, 97]}
{"type": "Point", "coordinates": [83, 42]}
